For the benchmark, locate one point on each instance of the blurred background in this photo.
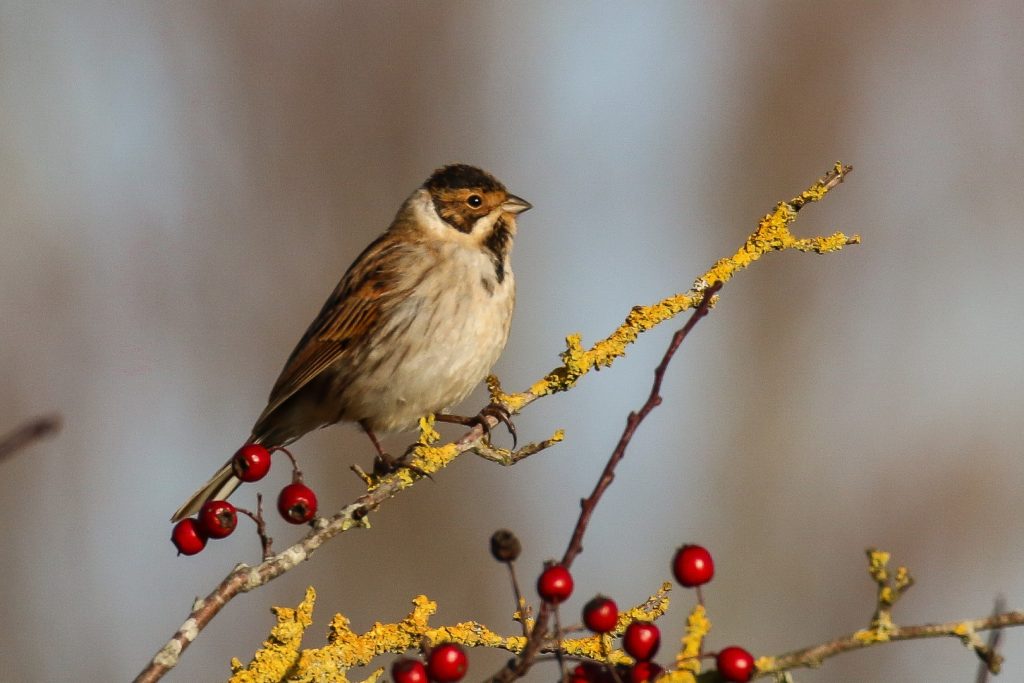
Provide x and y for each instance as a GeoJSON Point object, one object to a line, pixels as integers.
{"type": "Point", "coordinates": [182, 184]}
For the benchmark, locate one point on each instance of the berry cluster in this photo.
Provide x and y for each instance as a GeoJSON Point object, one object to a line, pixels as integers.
{"type": "Point", "coordinates": [218, 518]}
{"type": "Point", "coordinates": [446, 663]}
{"type": "Point", "coordinates": [692, 567]}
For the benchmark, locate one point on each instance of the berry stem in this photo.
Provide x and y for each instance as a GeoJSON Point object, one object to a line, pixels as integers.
{"type": "Point", "coordinates": [559, 654]}
{"type": "Point", "coordinates": [296, 472]}
{"type": "Point", "coordinates": [261, 526]}
{"type": "Point", "coordinates": [521, 605]}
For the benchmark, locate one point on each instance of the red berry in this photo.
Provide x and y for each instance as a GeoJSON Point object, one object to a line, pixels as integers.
{"type": "Point", "coordinates": [735, 664]}
{"type": "Point", "coordinates": [408, 670]}
{"type": "Point", "coordinates": [642, 672]}
{"type": "Point", "coordinates": [188, 537]}
{"type": "Point", "coordinates": [601, 614]}
{"type": "Point", "coordinates": [447, 663]}
{"type": "Point", "coordinates": [218, 518]}
{"type": "Point", "coordinates": [251, 462]}
{"type": "Point", "coordinates": [554, 584]}
{"type": "Point", "coordinates": [580, 674]}
{"type": "Point", "coordinates": [692, 566]}
{"type": "Point", "coordinates": [641, 640]}
{"type": "Point", "coordinates": [591, 672]}
{"type": "Point", "coordinates": [297, 503]}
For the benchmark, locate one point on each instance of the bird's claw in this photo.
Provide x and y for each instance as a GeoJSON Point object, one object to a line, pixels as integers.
{"type": "Point", "coordinates": [502, 415]}
{"type": "Point", "coordinates": [384, 464]}
{"type": "Point", "coordinates": [498, 412]}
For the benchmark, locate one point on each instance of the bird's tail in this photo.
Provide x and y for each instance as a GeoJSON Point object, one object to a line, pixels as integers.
{"type": "Point", "coordinates": [220, 486]}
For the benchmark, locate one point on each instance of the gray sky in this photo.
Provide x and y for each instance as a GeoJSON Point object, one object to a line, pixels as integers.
{"type": "Point", "coordinates": [183, 183]}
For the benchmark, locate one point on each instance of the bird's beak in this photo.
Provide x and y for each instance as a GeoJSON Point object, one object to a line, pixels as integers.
{"type": "Point", "coordinates": [515, 205]}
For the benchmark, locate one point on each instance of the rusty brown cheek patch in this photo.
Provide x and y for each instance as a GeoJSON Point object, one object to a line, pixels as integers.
{"type": "Point", "coordinates": [451, 214]}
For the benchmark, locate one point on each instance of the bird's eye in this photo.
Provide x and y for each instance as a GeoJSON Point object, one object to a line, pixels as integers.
{"type": "Point", "coordinates": [475, 201]}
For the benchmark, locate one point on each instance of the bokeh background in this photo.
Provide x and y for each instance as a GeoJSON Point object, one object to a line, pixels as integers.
{"type": "Point", "coordinates": [181, 185]}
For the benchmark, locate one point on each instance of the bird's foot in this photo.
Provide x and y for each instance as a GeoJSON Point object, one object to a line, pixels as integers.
{"type": "Point", "coordinates": [384, 463]}
{"type": "Point", "coordinates": [498, 412]}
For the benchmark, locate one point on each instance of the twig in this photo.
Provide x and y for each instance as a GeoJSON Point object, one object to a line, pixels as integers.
{"type": "Point", "coordinates": [503, 456]}
{"type": "Point", "coordinates": [632, 422]}
{"type": "Point", "coordinates": [261, 526]}
{"type": "Point", "coordinates": [28, 433]}
{"type": "Point", "coordinates": [984, 669]}
{"type": "Point", "coordinates": [521, 607]}
{"type": "Point", "coordinates": [519, 668]}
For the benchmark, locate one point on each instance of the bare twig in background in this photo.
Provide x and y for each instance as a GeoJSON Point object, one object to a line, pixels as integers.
{"type": "Point", "coordinates": [28, 433]}
{"type": "Point", "coordinates": [984, 669]}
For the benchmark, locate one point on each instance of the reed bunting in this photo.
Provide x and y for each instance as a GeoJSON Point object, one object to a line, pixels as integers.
{"type": "Point", "coordinates": [414, 325]}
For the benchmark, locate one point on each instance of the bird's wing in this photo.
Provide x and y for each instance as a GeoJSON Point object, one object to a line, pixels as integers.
{"type": "Point", "coordinates": [374, 284]}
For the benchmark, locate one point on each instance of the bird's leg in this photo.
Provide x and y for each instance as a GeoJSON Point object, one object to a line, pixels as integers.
{"type": "Point", "coordinates": [499, 413]}
{"type": "Point", "coordinates": [376, 443]}
{"type": "Point", "coordinates": [385, 463]}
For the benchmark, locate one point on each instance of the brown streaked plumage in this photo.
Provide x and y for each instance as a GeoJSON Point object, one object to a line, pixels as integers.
{"type": "Point", "coordinates": [416, 322]}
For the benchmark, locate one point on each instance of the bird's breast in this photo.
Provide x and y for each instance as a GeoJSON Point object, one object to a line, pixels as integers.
{"type": "Point", "coordinates": [437, 344]}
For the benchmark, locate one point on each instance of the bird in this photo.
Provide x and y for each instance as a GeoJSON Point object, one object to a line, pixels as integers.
{"type": "Point", "coordinates": [415, 324]}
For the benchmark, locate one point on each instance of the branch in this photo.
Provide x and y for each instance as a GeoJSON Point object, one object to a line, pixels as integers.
{"type": "Point", "coordinates": [965, 631]}
{"type": "Point", "coordinates": [772, 234]}
{"type": "Point", "coordinates": [539, 633]}
{"type": "Point", "coordinates": [282, 656]}
{"type": "Point", "coordinates": [890, 588]}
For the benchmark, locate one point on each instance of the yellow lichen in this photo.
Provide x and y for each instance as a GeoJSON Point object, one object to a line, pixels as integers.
{"type": "Point", "coordinates": [424, 458]}
{"type": "Point", "coordinates": [514, 402]}
{"type": "Point", "coordinates": [697, 628]}
{"type": "Point", "coordinates": [433, 458]}
{"type": "Point", "coordinates": [428, 434]}
{"type": "Point", "coordinates": [677, 676]}
{"type": "Point", "coordinates": [651, 609]}
{"type": "Point", "coordinates": [878, 561]}
{"type": "Point", "coordinates": [869, 636]}
{"type": "Point", "coordinates": [281, 650]}
{"type": "Point", "coordinates": [375, 676]}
